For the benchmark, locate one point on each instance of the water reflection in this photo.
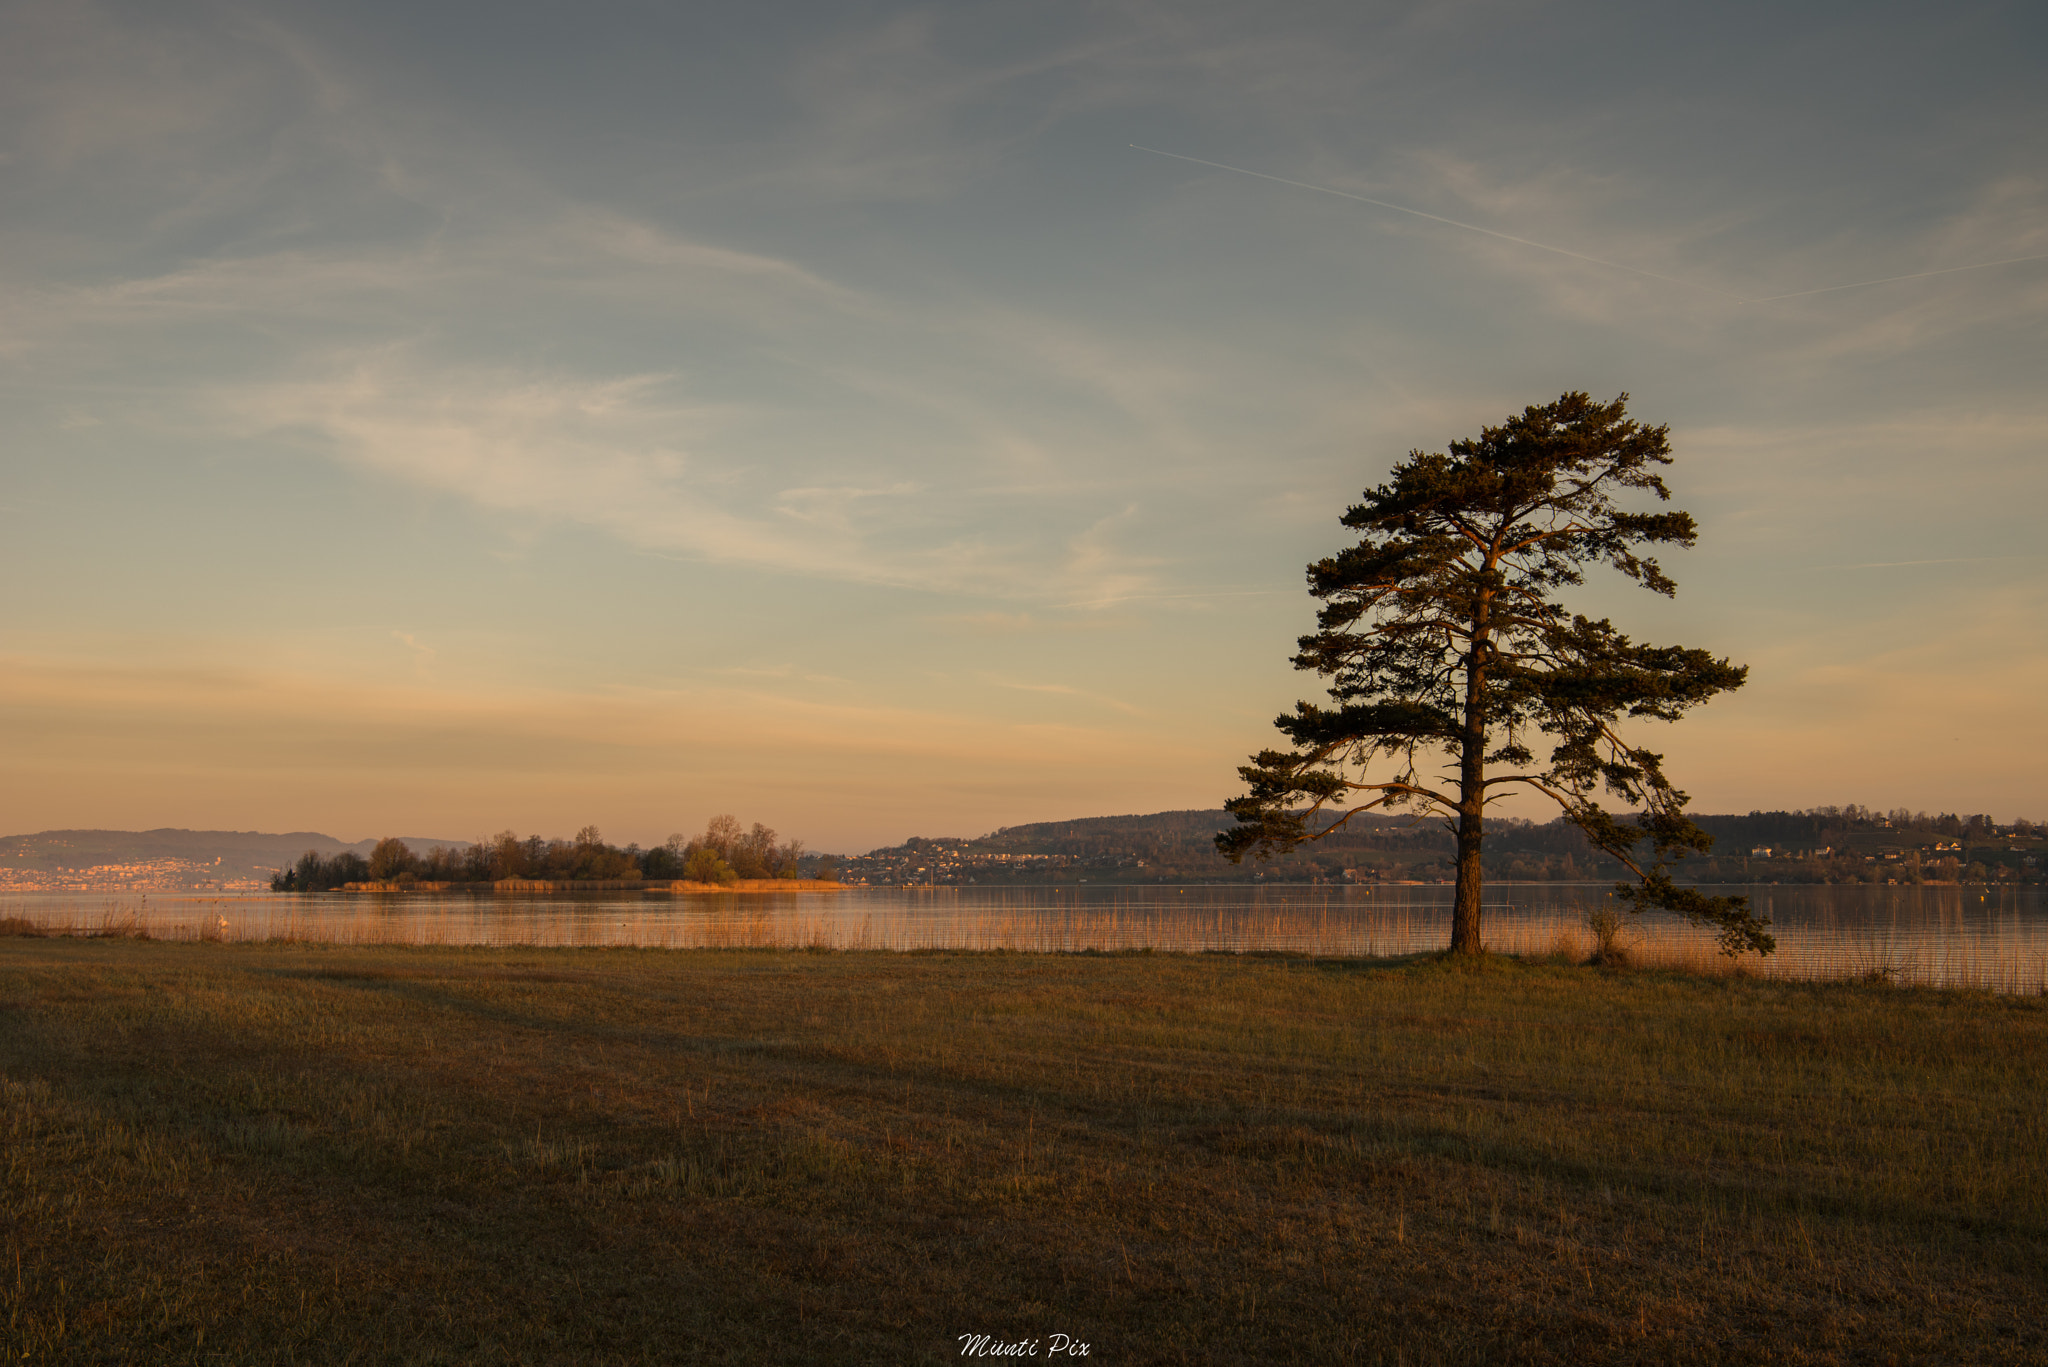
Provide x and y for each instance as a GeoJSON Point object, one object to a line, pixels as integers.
{"type": "Point", "coordinates": [1980, 936]}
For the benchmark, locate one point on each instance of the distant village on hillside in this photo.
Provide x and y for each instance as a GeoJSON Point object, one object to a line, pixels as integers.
{"type": "Point", "coordinates": [1839, 845]}
{"type": "Point", "coordinates": [1823, 845]}
{"type": "Point", "coordinates": [163, 860]}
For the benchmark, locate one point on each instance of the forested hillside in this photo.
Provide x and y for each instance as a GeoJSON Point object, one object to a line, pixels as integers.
{"type": "Point", "coordinates": [1823, 844]}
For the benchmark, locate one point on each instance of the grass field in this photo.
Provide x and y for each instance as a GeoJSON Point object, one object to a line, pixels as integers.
{"type": "Point", "coordinates": [252, 1153]}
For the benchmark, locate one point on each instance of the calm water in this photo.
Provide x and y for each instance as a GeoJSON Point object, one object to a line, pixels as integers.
{"type": "Point", "coordinates": [1992, 937]}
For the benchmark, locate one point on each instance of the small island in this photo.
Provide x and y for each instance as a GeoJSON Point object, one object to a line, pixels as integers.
{"type": "Point", "coordinates": [726, 858]}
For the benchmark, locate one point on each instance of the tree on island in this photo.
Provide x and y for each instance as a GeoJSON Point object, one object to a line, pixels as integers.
{"type": "Point", "coordinates": [1446, 649]}
{"type": "Point", "coordinates": [392, 859]}
{"type": "Point", "coordinates": [743, 853]}
{"type": "Point", "coordinates": [726, 851]}
{"type": "Point", "coordinates": [704, 866]}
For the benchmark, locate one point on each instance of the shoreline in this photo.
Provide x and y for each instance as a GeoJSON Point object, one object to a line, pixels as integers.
{"type": "Point", "coordinates": [679, 886]}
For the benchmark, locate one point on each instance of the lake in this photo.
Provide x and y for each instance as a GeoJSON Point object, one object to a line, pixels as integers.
{"type": "Point", "coordinates": [1966, 935]}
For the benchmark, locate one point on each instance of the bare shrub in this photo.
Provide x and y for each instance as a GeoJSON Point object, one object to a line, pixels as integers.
{"type": "Point", "coordinates": [1611, 944]}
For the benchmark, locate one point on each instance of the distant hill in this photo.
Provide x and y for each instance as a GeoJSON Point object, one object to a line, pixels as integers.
{"type": "Point", "coordinates": [1831, 844]}
{"type": "Point", "coordinates": [1159, 847]}
{"type": "Point", "coordinates": [1193, 834]}
{"type": "Point", "coordinates": [163, 858]}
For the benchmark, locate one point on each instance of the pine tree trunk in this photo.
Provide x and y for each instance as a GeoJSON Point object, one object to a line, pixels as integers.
{"type": "Point", "coordinates": [1471, 882]}
{"type": "Point", "coordinates": [1471, 796]}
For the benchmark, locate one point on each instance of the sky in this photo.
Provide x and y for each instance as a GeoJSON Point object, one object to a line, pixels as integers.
{"type": "Point", "coordinates": [866, 419]}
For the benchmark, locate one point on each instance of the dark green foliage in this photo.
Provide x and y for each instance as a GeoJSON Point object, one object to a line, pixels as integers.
{"type": "Point", "coordinates": [1446, 648]}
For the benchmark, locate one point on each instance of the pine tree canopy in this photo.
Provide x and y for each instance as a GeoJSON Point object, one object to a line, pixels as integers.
{"type": "Point", "coordinates": [1457, 677]}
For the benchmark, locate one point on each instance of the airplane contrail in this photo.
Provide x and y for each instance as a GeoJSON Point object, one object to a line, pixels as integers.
{"type": "Point", "coordinates": [1434, 218]}
{"type": "Point", "coordinates": [1951, 560]}
{"type": "Point", "coordinates": [1161, 597]}
{"type": "Point", "coordinates": [1917, 275]}
{"type": "Point", "coordinates": [1581, 256]}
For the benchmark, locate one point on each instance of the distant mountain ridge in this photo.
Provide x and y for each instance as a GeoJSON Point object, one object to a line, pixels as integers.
{"type": "Point", "coordinates": [1822, 844]}
{"type": "Point", "coordinates": [1198, 824]}
{"type": "Point", "coordinates": [240, 853]}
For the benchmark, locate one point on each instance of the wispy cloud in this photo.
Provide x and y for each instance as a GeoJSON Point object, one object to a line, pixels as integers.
{"type": "Point", "coordinates": [1946, 560]}
{"type": "Point", "coordinates": [1067, 691]}
{"type": "Point", "coordinates": [882, 299]}
{"type": "Point", "coordinates": [619, 454]}
{"type": "Point", "coordinates": [1388, 205]}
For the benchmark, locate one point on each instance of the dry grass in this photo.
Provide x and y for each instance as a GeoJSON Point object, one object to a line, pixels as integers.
{"type": "Point", "coordinates": [304, 1153]}
{"type": "Point", "coordinates": [1316, 928]}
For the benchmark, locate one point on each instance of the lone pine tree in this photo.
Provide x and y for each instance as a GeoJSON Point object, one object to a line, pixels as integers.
{"type": "Point", "coordinates": [1447, 650]}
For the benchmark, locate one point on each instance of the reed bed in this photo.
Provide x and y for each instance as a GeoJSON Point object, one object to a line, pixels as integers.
{"type": "Point", "coordinates": [1166, 922]}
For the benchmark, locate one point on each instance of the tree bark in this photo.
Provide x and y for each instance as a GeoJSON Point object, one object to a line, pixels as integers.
{"type": "Point", "coordinates": [1471, 881]}
{"type": "Point", "coordinates": [1471, 800]}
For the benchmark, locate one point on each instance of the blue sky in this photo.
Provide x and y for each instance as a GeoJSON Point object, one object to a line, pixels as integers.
{"type": "Point", "coordinates": [456, 417]}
